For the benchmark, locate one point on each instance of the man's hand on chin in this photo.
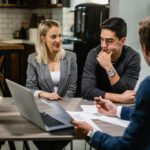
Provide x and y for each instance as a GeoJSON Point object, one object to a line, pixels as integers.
{"type": "Point", "coordinates": [104, 59]}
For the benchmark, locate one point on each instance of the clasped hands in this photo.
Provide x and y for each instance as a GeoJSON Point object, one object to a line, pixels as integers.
{"type": "Point", "coordinates": [51, 96]}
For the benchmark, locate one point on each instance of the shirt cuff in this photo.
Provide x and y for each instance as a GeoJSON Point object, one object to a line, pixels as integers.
{"type": "Point", "coordinates": [36, 93]}
{"type": "Point", "coordinates": [119, 108]}
{"type": "Point", "coordinates": [90, 135]}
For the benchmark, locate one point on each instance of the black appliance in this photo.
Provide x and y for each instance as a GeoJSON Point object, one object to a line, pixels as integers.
{"type": "Point", "coordinates": [87, 19]}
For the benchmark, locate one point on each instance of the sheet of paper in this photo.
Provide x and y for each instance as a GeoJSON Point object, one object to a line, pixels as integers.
{"type": "Point", "coordinates": [81, 116]}
{"type": "Point", "coordinates": [92, 110]}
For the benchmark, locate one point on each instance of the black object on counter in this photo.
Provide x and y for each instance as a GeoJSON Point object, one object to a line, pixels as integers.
{"type": "Point", "coordinates": [23, 33]}
{"type": "Point", "coordinates": [87, 21]}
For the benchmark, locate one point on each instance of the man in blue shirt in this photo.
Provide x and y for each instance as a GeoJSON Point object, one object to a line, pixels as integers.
{"type": "Point", "coordinates": [137, 134]}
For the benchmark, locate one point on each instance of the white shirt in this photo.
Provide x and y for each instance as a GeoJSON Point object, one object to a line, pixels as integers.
{"type": "Point", "coordinates": [55, 78]}
{"type": "Point", "coordinates": [119, 108]}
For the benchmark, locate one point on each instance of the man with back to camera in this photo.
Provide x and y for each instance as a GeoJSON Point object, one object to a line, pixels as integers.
{"type": "Point", "coordinates": [111, 69]}
{"type": "Point", "coordinates": [137, 134]}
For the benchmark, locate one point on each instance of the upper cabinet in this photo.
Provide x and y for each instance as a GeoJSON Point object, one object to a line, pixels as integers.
{"type": "Point", "coordinates": [34, 3]}
{"type": "Point", "coordinates": [37, 3]}
{"type": "Point", "coordinates": [14, 3]}
{"type": "Point", "coordinates": [48, 3]}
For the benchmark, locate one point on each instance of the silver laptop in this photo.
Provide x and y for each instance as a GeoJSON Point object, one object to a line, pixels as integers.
{"type": "Point", "coordinates": [54, 119]}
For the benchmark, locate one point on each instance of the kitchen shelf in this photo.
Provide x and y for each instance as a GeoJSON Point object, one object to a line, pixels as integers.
{"type": "Point", "coordinates": [13, 5]}
{"type": "Point", "coordinates": [55, 5]}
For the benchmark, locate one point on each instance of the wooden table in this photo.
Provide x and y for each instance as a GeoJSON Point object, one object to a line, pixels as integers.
{"type": "Point", "coordinates": [15, 127]}
{"type": "Point", "coordinates": [7, 50]}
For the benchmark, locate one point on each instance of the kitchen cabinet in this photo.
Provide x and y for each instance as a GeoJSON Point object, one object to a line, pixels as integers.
{"type": "Point", "coordinates": [13, 5]}
{"type": "Point", "coordinates": [47, 3]}
{"type": "Point", "coordinates": [14, 74]}
{"type": "Point", "coordinates": [29, 48]}
{"type": "Point", "coordinates": [37, 3]}
{"type": "Point", "coordinates": [34, 4]}
{"type": "Point", "coordinates": [11, 64]}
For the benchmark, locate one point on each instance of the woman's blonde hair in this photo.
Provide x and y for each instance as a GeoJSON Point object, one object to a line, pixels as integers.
{"type": "Point", "coordinates": [41, 48]}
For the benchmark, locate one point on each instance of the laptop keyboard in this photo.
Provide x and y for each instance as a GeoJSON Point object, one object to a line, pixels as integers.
{"type": "Point", "coordinates": [50, 121]}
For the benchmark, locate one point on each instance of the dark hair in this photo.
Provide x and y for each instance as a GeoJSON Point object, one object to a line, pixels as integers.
{"type": "Point", "coordinates": [144, 32]}
{"type": "Point", "coordinates": [117, 25]}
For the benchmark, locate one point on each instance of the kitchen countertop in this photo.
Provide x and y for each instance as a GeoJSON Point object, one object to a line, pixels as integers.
{"type": "Point", "coordinates": [17, 41]}
{"type": "Point", "coordinates": [66, 46]}
{"type": "Point", "coordinates": [9, 46]}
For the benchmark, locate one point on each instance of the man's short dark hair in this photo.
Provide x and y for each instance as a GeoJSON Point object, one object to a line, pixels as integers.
{"type": "Point", "coordinates": [117, 25]}
{"type": "Point", "coordinates": [144, 32]}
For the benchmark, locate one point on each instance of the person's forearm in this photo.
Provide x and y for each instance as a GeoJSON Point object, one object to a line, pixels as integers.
{"type": "Point", "coordinates": [43, 94]}
{"type": "Point", "coordinates": [36, 93]}
{"type": "Point", "coordinates": [113, 79]}
{"type": "Point", "coordinates": [113, 97]}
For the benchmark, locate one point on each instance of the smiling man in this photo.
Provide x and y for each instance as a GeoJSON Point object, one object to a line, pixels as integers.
{"type": "Point", "coordinates": [111, 69]}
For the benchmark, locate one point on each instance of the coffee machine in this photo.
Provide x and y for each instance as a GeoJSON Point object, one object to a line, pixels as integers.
{"type": "Point", "coordinates": [87, 19]}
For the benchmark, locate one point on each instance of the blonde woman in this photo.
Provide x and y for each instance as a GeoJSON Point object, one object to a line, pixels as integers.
{"type": "Point", "coordinates": [52, 71]}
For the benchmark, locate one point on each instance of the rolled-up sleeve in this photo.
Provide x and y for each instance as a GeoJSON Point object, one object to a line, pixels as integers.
{"type": "Point", "coordinates": [130, 75]}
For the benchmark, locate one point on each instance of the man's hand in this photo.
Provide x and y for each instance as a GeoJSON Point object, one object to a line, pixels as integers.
{"type": "Point", "coordinates": [51, 96]}
{"type": "Point", "coordinates": [106, 107]}
{"type": "Point", "coordinates": [128, 97]}
{"type": "Point", "coordinates": [81, 128]}
{"type": "Point", "coordinates": [104, 59]}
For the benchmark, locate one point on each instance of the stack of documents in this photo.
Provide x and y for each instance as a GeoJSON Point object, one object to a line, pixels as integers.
{"type": "Point", "coordinates": [92, 110]}
{"type": "Point", "coordinates": [82, 116]}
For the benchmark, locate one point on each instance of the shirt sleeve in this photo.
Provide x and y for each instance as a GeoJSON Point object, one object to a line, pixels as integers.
{"type": "Point", "coordinates": [72, 82]}
{"type": "Point", "coordinates": [31, 81]}
{"type": "Point", "coordinates": [130, 73]}
{"type": "Point", "coordinates": [36, 93]}
{"type": "Point", "coordinates": [89, 88]}
{"type": "Point", "coordinates": [119, 108]}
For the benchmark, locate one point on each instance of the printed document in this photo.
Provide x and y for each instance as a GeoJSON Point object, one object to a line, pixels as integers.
{"type": "Point", "coordinates": [92, 110]}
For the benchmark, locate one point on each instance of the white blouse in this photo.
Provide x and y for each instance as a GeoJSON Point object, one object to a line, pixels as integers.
{"type": "Point", "coordinates": [55, 78]}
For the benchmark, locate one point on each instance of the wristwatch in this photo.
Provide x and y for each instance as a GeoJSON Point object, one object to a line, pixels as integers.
{"type": "Point", "coordinates": [89, 136]}
{"type": "Point", "coordinates": [111, 73]}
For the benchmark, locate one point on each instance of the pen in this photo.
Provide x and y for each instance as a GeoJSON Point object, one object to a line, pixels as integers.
{"type": "Point", "coordinates": [98, 101]}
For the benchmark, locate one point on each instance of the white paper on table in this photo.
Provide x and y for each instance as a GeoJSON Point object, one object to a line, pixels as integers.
{"type": "Point", "coordinates": [81, 116]}
{"type": "Point", "coordinates": [112, 120]}
{"type": "Point", "coordinates": [91, 109]}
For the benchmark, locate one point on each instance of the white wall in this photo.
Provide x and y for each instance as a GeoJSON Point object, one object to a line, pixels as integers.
{"type": "Point", "coordinates": [132, 11]}
{"type": "Point", "coordinates": [11, 19]}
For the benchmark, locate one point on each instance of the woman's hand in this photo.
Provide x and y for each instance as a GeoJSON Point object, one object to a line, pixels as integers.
{"type": "Point", "coordinates": [51, 96]}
